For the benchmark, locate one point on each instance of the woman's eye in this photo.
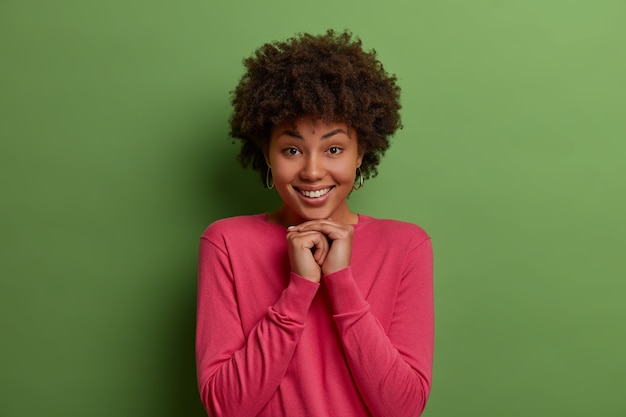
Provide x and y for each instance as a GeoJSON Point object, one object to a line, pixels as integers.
{"type": "Point", "coordinates": [334, 150]}
{"type": "Point", "coordinates": [291, 151]}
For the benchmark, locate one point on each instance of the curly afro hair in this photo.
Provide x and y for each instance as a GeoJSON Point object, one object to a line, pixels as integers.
{"type": "Point", "coordinates": [328, 77]}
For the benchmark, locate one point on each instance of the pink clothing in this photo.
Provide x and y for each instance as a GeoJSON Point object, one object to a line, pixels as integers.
{"type": "Point", "coordinates": [271, 343]}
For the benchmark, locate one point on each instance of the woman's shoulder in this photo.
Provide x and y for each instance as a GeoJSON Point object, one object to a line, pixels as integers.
{"type": "Point", "coordinates": [391, 230]}
{"type": "Point", "coordinates": [235, 226]}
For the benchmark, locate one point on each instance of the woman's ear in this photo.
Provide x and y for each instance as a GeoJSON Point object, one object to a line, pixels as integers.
{"type": "Point", "coordinates": [359, 159]}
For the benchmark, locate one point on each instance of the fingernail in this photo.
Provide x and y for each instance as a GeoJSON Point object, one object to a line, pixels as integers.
{"type": "Point", "coordinates": [291, 227]}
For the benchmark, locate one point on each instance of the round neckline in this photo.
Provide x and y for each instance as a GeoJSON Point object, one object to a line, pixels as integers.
{"type": "Point", "coordinates": [265, 218]}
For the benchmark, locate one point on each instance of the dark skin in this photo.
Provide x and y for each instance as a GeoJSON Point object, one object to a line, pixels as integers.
{"type": "Point", "coordinates": [314, 167]}
{"type": "Point", "coordinates": [319, 247]}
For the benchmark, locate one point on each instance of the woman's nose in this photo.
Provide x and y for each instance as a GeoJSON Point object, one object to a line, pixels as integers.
{"type": "Point", "coordinates": [312, 169]}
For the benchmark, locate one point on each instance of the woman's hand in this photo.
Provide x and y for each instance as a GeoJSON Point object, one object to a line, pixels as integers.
{"type": "Point", "coordinates": [338, 249]}
{"type": "Point", "coordinates": [307, 251]}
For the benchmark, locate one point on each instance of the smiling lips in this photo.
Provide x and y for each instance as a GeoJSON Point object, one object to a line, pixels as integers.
{"type": "Point", "coordinates": [316, 193]}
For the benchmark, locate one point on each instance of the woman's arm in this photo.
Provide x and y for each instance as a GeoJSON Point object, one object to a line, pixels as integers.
{"type": "Point", "coordinates": [391, 370]}
{"type": "Point", "coordinates": [238, 373]}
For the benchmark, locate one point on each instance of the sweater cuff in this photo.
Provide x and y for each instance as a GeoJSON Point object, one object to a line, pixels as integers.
{"type": "Point", "coordinates": [344, 293]}
{"type": "Point", "coordinates": [296, 298]}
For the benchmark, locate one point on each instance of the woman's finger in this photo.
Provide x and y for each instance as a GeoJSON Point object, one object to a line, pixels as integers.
{"type": "Point", "coordinates": [307, 252]}
{"type": "Point", "coordinates": [321, 248]}
{"type": "Point", "coordinates": [334, 230]}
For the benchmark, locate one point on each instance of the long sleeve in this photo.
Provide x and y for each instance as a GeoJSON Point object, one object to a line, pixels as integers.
{"type": "Point", "coordinates": [391, 366]}
{"type": "Point", "coordinates": [238, 372]}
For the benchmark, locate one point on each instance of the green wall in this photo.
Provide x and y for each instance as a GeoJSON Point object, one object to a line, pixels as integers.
{"type": "Point", "coordinates": [114, 156]}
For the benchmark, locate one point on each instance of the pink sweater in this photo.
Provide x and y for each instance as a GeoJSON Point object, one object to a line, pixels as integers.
{"type": "Point", "coordinates": [270, 343]}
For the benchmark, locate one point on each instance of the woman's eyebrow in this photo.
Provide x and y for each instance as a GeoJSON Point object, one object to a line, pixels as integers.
{"type": "Point", "coordinates": [292, 133]}
{"type": "Point", "coordinates": [333, 133]}
{"type": "Point", "coordinates": [295, 134]}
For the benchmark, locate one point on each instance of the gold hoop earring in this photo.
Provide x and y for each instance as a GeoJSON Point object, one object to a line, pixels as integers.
{"type": "Point", "coordinates": [267, 178]}
{"type": "Point", "coordinates": [361, 180]}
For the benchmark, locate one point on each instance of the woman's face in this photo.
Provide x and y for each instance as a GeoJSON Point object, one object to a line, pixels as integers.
{"type": "Point", "coordinates": [314, 167]}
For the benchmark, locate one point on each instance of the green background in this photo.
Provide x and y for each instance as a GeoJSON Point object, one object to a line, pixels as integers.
{"type": "Point", "coordinates": [115, 156]}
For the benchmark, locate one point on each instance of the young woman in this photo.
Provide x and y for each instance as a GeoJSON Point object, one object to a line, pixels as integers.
{"type": "Point", "coordinates": [313, 309]}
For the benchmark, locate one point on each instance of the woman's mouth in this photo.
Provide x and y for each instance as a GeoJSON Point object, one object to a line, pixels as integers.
{"type": "Point", "coordinates": [316, 193]}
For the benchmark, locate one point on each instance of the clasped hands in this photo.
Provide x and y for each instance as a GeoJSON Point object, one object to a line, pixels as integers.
{"type": "Point", "coordinates": [319, 247]}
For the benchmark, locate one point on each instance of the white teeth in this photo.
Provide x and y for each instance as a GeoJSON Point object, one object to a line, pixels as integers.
{"type": "Point", "coordinates": [315, 194]}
